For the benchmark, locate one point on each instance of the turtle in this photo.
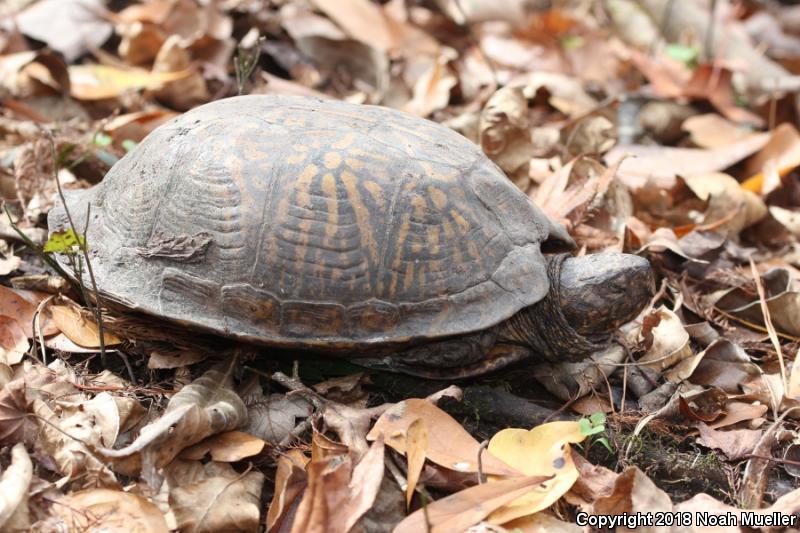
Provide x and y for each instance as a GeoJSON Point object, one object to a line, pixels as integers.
{"type": "Point", "coordinates": [296, 222]}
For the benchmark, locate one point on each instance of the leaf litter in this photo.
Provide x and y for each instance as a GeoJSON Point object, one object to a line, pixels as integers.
{"type": "Point", "coordinates": [664, 132]}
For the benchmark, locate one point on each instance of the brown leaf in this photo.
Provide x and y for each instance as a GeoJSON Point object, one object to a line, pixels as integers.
{"type": "Point", "coordinates": [14, 489]}
{"type": "Point", "coordinates": [14, 405]}
{"type": "Point", "coordinates": [227, 447]}
{"type": "Point", "coordinates": [21, 305]}
{"type": "Point", "coordinates": [117, 511]}
{"type": "Point", "coordinates": [290, 481]}
{"type": "Point", "coordinates": [416, 443]}
{"type": "Point", "coordinates": [734, 443]}
{"type": "Point", "coordinates": [71, 27]}
{"type": "Point", "coordinates": [449, 444]}
{"type": "Point", "coordinates": [203, 408]}
{"type": "Point", "coordinates": [78, 328]}
{"type": "Point", "coordinates": [463, 509]}
{"type": "Point", "coordinates": [13, 342]}
{"type": "Point", "coordinates": [225, 500]}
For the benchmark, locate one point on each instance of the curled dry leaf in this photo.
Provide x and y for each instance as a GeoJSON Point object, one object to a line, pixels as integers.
{"type": "Point", "coordinates": [783, 303]}
{"type": "Point", "coordinates": [713, 131]}
{"type": "Point", "coordinates": [781, 155]}
{"type": "Point", "coordinates": [338, 495]}
{"type": "Point", "coordinates": [14, 489]}
{"type": "Point", "coordinates": [80, 327]}
{"type": "Point", "coordinates": [466, 508]}
{"type": "Point", "coordinates": [734, 443]}
{"type": "Point", "coordinates": [69, 438]}
{"type": "Point", "coordinates": [416, 443]}
{"type": "Point", "coordinates": [543, 451]}
{"type": "Point", "coordinates": [71, 27]}
{"type": "Point", "coordinates": [449, 444]}
{"type": "Point", "coordinates": [99, 82]}
{"type": "Point", "coordinates": [115, 510]}
{"type": "Point", "coordinates": [223, 500]}
{"type": "Point", "coordinates": [22, 73]}
{"type": "Point", "coordinates": [13, 342]}
{"type": "Point", "coordinates": [22, 305]}
{"type": "Point", "coordinates": [227, 447]}
{"type": "Point", "coordinates": [724, 365]}
{"type": "Point", "coordinates": [666, 338]}
{"type": "Point", "coordinates": [290, 481]}
{"type": "Point", "coordinates": [203, 408]}
{"type": "Point", "coordinates": [662, 163]}
{"type": "Point", "coordinates": [725, 197]}
{"type": "Point", "coordinates": [633, 492]}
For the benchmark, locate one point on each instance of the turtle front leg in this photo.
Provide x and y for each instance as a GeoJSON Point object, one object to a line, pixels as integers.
{"type": "Point", "coordinates": [455, 358]}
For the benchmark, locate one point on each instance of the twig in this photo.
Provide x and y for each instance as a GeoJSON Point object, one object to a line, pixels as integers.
{"type": "Point", "coordinates": [712, 23]}
{"type": "Point", "coordinates": [768, 322]}
{"type": "Point", "coordinates": [37, 328]}
{"type": "Point", "coordinates": [82, 247]}
{"type": "Point", "coordinates": [481, 475]}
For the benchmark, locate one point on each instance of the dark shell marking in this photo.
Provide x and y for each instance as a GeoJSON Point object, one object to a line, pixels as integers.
{"type": "Point", "coordinates": [331, 225]}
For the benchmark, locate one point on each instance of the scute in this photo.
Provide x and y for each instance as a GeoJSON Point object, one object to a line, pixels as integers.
{"type": "Point", "coordinates": [331, 225]}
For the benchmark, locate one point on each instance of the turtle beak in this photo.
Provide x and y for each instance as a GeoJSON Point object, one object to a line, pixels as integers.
{"type": "Point", "coordinates": [600, 292]}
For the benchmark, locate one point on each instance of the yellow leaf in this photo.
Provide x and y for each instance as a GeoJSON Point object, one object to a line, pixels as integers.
{"type": "Point", "coordinates": [544, 451]}
{"type": "Point", "coordinates": [78, 329]}
{"type": "Point", "coordinates": [416, 442]}
{"type": "Point", "coordinates": [97, 82]}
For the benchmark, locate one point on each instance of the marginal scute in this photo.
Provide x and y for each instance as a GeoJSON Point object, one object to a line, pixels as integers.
{"type": "Point", "coordinates": [251, 305]}
{"type": "Point", "coordinates": [177, 286]}
{"type": "Point", "coordinates": [330, 226]}
{"type": "Point", "coordinates": [312, 319]}
{"type": "Point", "coordinates": [373, 316]}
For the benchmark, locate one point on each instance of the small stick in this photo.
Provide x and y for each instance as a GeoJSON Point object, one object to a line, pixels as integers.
{"type": "Point", "coordinates": [82, 247]}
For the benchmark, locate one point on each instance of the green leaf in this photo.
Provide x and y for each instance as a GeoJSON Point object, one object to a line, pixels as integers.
{"type": "Point", "coordinates": [571, 42]}
{"type": "Point", "coordinates": [128, 144]}
{"type": "Point", "coordinates": [102, 139]}
{"type": "Point", "coordinates": [597, 418]}
{"type": "Point", "coordinates": [604, 442]}
{"type": "Point", "coordinates": [685, 54]}
{"type": "Point", "coordinates": [64, 242]}
{"type": "Point", "coordinates": [585, 426]}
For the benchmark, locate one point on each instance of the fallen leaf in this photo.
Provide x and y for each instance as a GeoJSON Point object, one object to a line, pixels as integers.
{"type": "Point", "coordinates": [227, 447]}
{"type": "Point", "coordinates": [14, 489]}
{"type": "Point", "coordinates": [713, 131]}
{"type": "Point", "coordinates": [71, 27]}
{"type": "Point", "coordinates": [463, 509]}
{"type": "Point", "coordinates": [117, 511]}
{"type": "Point", "coordinates": [781, 152]}
{"type": "Point", "coordinates": [449, 444]}
{"type": "Point", "coordinates": [224, 500]}
{"type": "Point", "coordinates": [98, 82]}
{"type": "Point", "coordinates": [78, 328]}
{"type": "Point", "coordinates": [13, 342]}
{"type": "Point", "coordinates": [416, 443]}
{"type": "Point", "coordinates": [543, 451]}
{"type": "Point", "coordinates": [734, 443]}
{"type": "Point", "coordinates": [290, 481]}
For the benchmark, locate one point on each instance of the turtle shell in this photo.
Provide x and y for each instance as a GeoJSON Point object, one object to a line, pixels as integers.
{"type": "Point", "coordinates": [300, 222]}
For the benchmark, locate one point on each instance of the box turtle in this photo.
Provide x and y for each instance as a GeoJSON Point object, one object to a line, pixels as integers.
{"type": "Point", "coordinates": [296, 222]}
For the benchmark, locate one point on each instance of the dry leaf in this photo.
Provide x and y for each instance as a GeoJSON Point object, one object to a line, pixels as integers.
{"type": "Point", "coordinates": [543, 451]}
{"type": "Point", "coordinates": [416, 444]}
{"type": "Point", "coordinates": [203, 408]}
{"type": "Point", "coordinates": [115, 511]}
{"type": "Point", "coordinates": [227, 447]}
{"type": "Point", "coordinates": [13, 342]}
{"type": "Point", "coordinates": [225, 500]}
{"type": "Point", "coordinates": [71, 27]}
{"type": "Point", "coordinates": [668, 341]}
{"type": "Point", "coordinates": [290, 481]}
{"type": "Point", "coordinates": [14, 489]}
{"type": "Point", "coordinates": [78, 328]}
{"type": "Point", "coordinates": [449, 444]}
{"type": "Point", "coordinates": [468, 507]}
{"type": "Point", "coordinates": [98, 82]}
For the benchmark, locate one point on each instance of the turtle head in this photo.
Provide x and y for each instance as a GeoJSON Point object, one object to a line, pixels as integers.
{"type": "Point", "coordinates": [600, 292]}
